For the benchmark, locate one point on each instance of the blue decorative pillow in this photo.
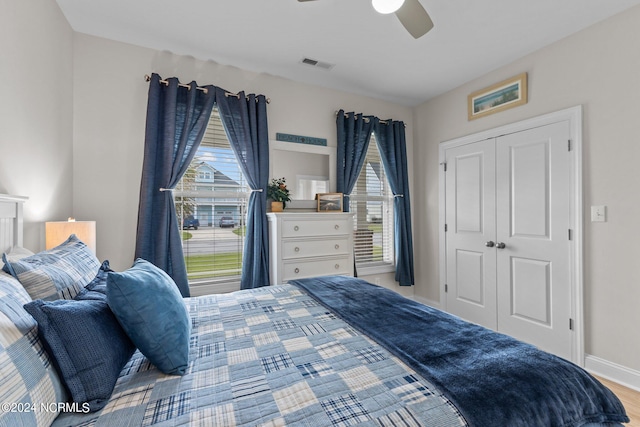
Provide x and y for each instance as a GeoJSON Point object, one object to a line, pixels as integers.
{"type": "Point", "coordinates": [60, 272]}
{"type": "Point", "coordinates": [97, 288]}
{"type": "Point", "coordinates": [25, 368]}
{"type": "Point", "coordinates": [151, 310]}
{"type": "Point", "coordinates": [87, 344]}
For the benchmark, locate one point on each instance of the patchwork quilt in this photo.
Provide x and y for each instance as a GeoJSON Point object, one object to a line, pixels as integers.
{"type": "Point", "coordinates": [273, 356]}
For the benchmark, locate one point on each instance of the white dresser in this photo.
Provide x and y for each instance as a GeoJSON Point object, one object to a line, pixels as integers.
{"type": "Point", "coordinates": [310, 244]}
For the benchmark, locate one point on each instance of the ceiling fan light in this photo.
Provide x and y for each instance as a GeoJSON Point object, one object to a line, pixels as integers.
{"type": "Point", "coordinates": [386, 6]}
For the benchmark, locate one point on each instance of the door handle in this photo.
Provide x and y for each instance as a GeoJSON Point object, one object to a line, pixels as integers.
{"type": "Point", "coordinates": [501, 245]}
{"type": "Point", "coordinates": [490, 244]}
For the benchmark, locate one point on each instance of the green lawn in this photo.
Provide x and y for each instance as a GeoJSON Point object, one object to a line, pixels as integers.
{"type": "Point", "coordinates": [377, 253]}
{"type": "Point", "coordinates": [204, 266]}
{"type": "Point", "coordinates": [376, 228]}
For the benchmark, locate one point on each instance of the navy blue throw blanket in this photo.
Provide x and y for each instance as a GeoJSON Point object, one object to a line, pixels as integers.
{"type": "Point", "coordinates": [493, 379]}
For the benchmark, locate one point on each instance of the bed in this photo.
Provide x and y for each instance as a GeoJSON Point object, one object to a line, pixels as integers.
{"type": "Point", "coordinates": [315, 352]}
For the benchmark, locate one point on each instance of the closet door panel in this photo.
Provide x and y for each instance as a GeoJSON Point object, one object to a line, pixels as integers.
{"type": "Point", "coordinates": [532, 222]}
{"type": "Point", "coordinates": [531, 290]}
{"type": "Point", "coordinates": [470, 218]}
{"type": "Point", "coordinates": [529, 192]}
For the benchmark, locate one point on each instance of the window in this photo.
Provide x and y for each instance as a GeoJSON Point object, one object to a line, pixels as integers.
{"type": "Point", "coordinates": [211, 202]}
{"type": "Point", "coordinates": [204, 175]}
{"type": "Point", "coordinates": [372, 203]}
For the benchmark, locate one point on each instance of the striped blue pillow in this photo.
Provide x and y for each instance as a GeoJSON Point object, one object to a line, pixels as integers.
{"type": "Point", "coordinates": [59, 273]}
{"type": "Point", "coordinates": [28, 377]}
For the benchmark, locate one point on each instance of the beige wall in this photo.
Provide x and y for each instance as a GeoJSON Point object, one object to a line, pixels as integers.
{"type": "Point", "coordinates": [598, 69]}
{"type": "Point", "coordinates": [36, 112]}
{"type": "Point", "coordinates": [110, 97]}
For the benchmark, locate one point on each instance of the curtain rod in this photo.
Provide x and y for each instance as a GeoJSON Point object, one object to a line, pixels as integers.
{"type": "Point", "coordinates": [366, 119]}
{"type": "Point", "coordinates": [147, 78]}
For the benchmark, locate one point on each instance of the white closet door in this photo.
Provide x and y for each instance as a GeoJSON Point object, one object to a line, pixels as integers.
{"type": "Point", "coordinates": [532, 222]}
{"type": "Point", "coordinates": [470, 218]}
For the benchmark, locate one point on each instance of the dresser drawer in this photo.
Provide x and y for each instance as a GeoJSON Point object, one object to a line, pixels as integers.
{"type": "Point", "coordinates": [310, 228]}
{"type": "Point", "coordinates": [308, 244]}
{"type": "Point", "coordinates": [314, 248]}
{"type": "Point", "coordinates": [324, 267]}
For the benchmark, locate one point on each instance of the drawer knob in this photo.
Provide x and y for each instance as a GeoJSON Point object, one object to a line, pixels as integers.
{"type": "Point", "coordinates": [296, 228]}
{"type": "Point", "coordinates": [297, 270]}
{"type": "Point", "coordinates": [337, 246]}
{"type": "Point", "coordinates": [297, 249]}
{"type": "Point", "coordinates": [337, 266]}
{"type": "Point", "coordinates": [337, 227]}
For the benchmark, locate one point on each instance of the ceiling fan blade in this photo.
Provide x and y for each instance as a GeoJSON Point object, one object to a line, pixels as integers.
{"type": "Point", "coordinates": [414, 18]}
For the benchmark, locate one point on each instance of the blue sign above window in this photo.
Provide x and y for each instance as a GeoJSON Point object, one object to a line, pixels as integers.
{"type": "Point", "coordinates": [300, 139]}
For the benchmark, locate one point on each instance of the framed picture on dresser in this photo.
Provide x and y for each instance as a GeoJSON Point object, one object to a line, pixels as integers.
{"type": "Point", "coordinates": [329, 202]}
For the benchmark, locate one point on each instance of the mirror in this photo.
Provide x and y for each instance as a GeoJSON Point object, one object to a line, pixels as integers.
{"type": "Point", "coordinates": [308, 169]}
{"type": "Point", "coordinates": [307, 186]}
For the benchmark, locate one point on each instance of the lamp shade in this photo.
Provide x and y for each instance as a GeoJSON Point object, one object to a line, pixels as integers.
{"type": "Point", "coordinates": [386, 6]}
{"type": "Point", "coordinates": [57, 232]}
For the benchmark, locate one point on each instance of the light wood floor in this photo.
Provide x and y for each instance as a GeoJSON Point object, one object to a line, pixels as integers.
{"type": "Point", "coordinates": [630, 399]}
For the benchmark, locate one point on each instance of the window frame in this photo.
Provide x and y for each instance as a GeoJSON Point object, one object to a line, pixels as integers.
{"type": "Point", "coordinates": [212, 193]}
{"type": "Point", "coordinates": [387, 199]}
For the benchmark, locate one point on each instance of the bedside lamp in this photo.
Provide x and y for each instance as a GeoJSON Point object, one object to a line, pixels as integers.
{"type": "Point", "coordinates": [57, 232]}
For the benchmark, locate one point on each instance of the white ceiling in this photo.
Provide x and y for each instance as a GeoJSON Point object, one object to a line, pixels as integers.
{"type": "Point", "coordinates": [372, 53]}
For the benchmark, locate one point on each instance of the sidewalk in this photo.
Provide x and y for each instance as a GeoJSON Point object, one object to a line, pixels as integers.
{"type": "Point", "coordinates": [208, 233]}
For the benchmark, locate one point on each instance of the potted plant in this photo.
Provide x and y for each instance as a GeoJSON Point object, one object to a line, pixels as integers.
{"type": "Point", "coordinates": [278, 192]}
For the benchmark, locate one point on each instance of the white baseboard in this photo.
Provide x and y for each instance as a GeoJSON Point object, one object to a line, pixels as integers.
{"type": "Point", "coordinates": [612, 371]}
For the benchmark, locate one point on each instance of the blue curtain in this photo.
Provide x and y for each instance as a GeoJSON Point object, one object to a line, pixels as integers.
{"type": "Point", "coordinates": [392, 145]}
{"type": "Point", "coordinates": [177, 117]}
{"type": "Point", "coordinates": [245, 122]}
{"type": "Point", "coordinates": [354, 134]}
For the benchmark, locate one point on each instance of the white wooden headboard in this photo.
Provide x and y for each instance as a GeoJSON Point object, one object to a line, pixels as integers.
{"type": "Point", "coordinates": [11, 222]}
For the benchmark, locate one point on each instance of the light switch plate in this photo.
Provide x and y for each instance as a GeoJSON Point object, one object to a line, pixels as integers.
{"type": "Point", "coordinates": [598, 213]}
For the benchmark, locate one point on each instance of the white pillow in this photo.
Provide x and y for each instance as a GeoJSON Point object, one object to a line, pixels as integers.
{"type": "Point", "coordinates": [17, 253]}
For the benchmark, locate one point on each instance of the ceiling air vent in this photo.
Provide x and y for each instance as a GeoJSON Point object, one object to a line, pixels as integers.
{"type": "Point", "coordinates": [317, 64]}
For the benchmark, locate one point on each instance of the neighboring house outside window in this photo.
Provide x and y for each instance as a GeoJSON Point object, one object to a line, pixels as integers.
{"type": "Point", "coordinates": [372, 203]}
{"type": "Point", "coordinates": [213, 195]}
{"type": "Point", "coordinates": [211, 182]}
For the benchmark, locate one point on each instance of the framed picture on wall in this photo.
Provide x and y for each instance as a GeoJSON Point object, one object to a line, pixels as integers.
{"type": "Point", "coordinates": [498, 97]}
{"type": "Point", "coordinates": [329, 202]}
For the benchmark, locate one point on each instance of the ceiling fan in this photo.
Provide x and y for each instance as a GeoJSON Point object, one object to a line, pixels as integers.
{"type": "Point", "coordinates": [411, 14]}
